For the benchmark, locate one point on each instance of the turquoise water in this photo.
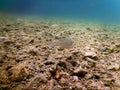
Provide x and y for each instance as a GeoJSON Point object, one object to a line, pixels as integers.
{"type": "Point", "coordinates": [107, 11]}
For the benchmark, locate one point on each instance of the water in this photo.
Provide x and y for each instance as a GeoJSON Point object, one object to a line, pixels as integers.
{"type": "Point", "coordinates": [59, 45]}
{"type": "Point", "coordinates": [107, 11]}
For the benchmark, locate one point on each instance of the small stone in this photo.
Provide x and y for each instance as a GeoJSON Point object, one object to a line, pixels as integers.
{"type": "Point", "coordinates": [88, 76]}
{"type": "Point", "coordinates": [4, 87]}
{"type": "Point", "coordinates": [89, 29]}
{"type": "Point", "coordinates": [79, 72]}
{"type": "Point", "coordinates": [75, 78]}
{"type": "Point", "coordinates": [92, 62]}
{"type": "Point", "coordinates": [91, 55]}
{"type": "Point", "coordinates": [45, 26]}
{"type": "Point", "coordinates": [49, 62]}
{"type": "Point", "coordinates": [114, 66]}
{"type": "Point", "coordinates": [59, 56]}
{"type": "Point", "coordinates": [103, 49]}
{"type": "Point", "coordinates": [58, 76]}
{"type": "Point", "coordinates": [78, 86]}
{"type": "Point", "coordinates": [62, 81]}
{"type": "Point", "coordinates": [117, 83]}
{"type": "Point", "coordinates": [8, 42]}
{"type": "Point", "coordinates": [6, 29]}
{"type": "Point", "coordinates": [62, 64]}
{"type": "Point", "coordinates": [102, 61]}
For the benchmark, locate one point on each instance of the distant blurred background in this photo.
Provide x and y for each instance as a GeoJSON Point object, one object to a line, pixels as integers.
{"type": "Point", "coordinates": [102, 10]}
{"type": "Point", "coordinates": [16, 6]}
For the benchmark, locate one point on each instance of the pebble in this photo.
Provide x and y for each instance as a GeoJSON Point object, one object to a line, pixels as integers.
{"type": "Point", "coordinates": [2, 38]}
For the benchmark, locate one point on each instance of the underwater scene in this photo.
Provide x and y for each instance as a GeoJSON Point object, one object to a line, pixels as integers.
{"type": "Point", "coordinates": [59, 45]}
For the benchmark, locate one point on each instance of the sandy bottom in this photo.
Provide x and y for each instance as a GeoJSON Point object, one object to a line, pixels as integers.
{"type": "Point", "coordinates": [28, 63]}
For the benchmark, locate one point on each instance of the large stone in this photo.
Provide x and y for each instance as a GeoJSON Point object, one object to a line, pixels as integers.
{"type": "Point", "coordinates": [3, 77]}
{"type": "Point", "coordinates": [18, 72]}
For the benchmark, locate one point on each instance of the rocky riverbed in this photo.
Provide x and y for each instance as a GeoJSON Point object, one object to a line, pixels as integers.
{"type": "Point", "coordinates": [27, 62]}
